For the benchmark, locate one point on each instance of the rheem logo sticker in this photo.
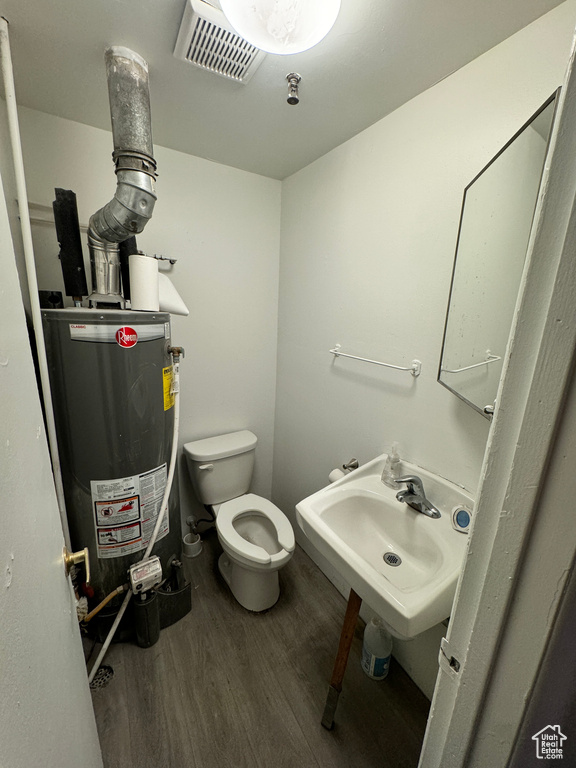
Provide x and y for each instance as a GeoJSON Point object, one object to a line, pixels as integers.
{"type": "Point", "coordinates": [126, 337]}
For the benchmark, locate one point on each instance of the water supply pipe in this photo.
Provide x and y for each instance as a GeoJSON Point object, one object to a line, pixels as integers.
{"type": "Point", "coordinates": [131, 207]}
{"type": "Point", "coordinates": [22, 195]}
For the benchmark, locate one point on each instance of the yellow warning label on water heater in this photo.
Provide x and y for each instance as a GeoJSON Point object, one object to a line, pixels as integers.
{"type": "Point", "coordinates": [168, 377]}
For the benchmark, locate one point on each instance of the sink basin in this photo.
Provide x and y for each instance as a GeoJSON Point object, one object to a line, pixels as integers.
{"type": "Point", "coordinates": [403, 564]}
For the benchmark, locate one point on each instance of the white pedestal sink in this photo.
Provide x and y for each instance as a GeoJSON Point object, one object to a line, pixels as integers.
{"type": "Point", "coordinates": [404, 564]}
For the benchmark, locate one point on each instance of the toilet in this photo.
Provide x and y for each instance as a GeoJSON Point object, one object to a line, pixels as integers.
{"type": "Point", "coordinates": [256, 536]}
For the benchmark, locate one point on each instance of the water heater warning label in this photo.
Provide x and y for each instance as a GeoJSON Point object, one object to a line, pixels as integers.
{"type": "Point", "coordinates": [121, 511]}
{"type": "Point", "coordinates": [126, 510]}
{"type": "Point", "coordinates": [168, 379]}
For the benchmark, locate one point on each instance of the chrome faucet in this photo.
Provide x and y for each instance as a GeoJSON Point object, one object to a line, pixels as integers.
{"type": "Point", "coordinates": [415, 497]}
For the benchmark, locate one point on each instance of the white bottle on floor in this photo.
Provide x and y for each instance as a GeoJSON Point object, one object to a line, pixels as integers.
{"type": "Point", "coordinates": [376, 649]}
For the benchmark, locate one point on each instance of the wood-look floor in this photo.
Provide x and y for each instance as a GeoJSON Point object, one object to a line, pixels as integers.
{"type": "Point", "coordinates": [228, 688]}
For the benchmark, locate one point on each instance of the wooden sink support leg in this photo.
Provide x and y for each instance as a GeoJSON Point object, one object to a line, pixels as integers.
{"type": "Point", "coordinates": [348, 627]}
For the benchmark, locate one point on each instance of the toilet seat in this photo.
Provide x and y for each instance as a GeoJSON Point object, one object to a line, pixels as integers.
{"type": "Point", "coordinates": [250, 502]}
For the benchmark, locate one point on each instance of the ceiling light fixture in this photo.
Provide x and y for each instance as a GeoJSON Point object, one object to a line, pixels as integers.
{"type": "Point", "coordinates": [282, 26]}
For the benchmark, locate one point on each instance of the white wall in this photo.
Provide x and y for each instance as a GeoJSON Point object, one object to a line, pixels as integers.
{"type": "Point", "coordinates": [46, 715]}
{"type": "Point", "coordinates": [368, 239]}
{"type": "Point", "coordinates": [222, 224]}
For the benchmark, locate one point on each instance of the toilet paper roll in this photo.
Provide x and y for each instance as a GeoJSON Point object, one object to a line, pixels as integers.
{"type": "Point", "coordinates": [336, 474]}
{"type": "Point", "coordinates": [144, 283]}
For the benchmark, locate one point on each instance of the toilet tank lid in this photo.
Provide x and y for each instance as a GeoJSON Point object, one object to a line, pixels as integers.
{"type": "Point", "coordinates": [221, 446]}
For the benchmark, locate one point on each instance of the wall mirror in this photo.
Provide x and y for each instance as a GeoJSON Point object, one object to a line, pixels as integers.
{"type": "Point", "coordinates": [497, 213]}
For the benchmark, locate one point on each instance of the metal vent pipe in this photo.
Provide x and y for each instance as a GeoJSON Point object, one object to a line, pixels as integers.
{"type": "Point", "coordinates": [132, 205]}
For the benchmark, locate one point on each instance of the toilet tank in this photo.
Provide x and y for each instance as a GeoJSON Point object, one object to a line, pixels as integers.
{"type": "Point", "coordinates": [221, 467]}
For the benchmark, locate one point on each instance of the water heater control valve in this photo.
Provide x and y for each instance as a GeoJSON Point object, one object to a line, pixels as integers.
{"type": "Point", "coordinates": [145, 575]}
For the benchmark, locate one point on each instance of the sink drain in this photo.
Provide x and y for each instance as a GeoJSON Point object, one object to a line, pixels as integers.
{"type": "Point", "coordinates": [391, 558]}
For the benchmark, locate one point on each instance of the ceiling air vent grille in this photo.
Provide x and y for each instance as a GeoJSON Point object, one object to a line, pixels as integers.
{"type": "Point", "coordinates": [207, 41]}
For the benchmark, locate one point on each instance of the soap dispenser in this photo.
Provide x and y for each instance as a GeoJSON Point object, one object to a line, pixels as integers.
{"type": "Point", "coordinates": [391, 469]}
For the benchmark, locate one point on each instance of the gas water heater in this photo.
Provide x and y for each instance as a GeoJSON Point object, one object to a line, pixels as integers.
{"type": "Point", "coordinates": [110, 376]}
{"type": "Point", "coordinates": [113, 380]}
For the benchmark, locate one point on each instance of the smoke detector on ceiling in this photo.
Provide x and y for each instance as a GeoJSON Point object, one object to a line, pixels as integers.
{"type": "Point", "coordinates": [207, 40]}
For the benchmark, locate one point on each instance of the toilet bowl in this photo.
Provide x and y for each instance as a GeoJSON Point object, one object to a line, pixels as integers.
{"type": "Point", "coordinates": [256, 537]}
{"type": "Point", "coordinates": [257, 540]}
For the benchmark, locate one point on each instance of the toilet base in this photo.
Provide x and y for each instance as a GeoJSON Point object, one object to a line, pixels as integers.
{"type": "Point", "coordinates": [254, 590]}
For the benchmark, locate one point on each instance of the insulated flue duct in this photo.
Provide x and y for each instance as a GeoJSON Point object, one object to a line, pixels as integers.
{"type": "Point", "coordinates": [129, 210]}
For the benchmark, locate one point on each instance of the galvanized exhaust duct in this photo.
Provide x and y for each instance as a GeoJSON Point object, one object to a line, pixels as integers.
{"type": "Point", "coordinates": [132, 205]}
